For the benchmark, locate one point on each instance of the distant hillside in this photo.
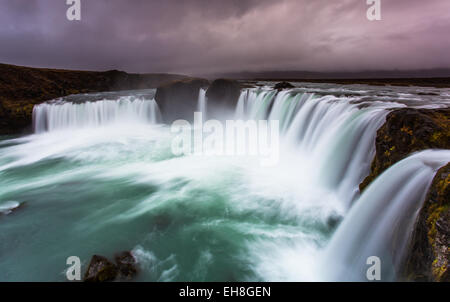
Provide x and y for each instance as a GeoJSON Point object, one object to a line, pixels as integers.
{"type": "Point", "coordinates": [423, 82]}
{"type": "Point", "coordinates": [23, 87]}
{"type": "Point", "coordinates": [308, 75]}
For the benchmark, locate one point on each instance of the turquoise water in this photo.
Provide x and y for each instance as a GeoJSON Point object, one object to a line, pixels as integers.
{"type": "Point", "coordinates": [185, 218]}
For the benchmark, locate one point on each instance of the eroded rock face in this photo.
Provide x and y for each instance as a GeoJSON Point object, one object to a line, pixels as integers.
{"type": "Point", "coordinates": [407, 131]}
{"type": "Point", "coordinates": [223, 94]}
{"type": "Point", "coordinates": [429, 257]}
{"type": "Point", "coordinates": [179, 99]}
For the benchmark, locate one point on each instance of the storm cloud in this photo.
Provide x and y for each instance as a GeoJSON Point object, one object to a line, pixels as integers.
{"type": "Point", "coordinates": [207, 36]}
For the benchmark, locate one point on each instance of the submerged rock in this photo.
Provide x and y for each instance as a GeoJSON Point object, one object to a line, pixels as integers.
{"type": "Point", "coordinates": [161, 222]}
{"type": "Point", "coordinates": [407, 131]}
{"type": "Point", "coordinates": [283, 85]}
{"type": "Point", "coordinates": [100, 269]}
{"type": "Point", "coordinates": [8, 207]}
{"type": "Point", "coordinates": [179, 99]}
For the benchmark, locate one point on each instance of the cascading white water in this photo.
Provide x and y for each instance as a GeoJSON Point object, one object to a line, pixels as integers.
{"type": "Point", "coordinates": [337, 135]}
{"type": "Point", "coordinates": [64, 115]}
{"type": "Point", "coordinates": [381, 222]}
{"type": "Point", "coordinates": [207, 218]}
{"type": "Point", "coordinates": [202, 103]}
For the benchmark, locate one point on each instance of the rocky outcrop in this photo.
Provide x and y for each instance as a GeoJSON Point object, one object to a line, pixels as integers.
{"type": "Point", "coordinates": [283, 85]}
{"type": "Point", "coordinates": [224, 92]}
{"type": "Point", "coordinates": [22, 87]}
{"type": "Point", "coordinates": [222, 95]}
{"type": "Point", "coordinates": [126, 265]}
{"type": "Point", "coordinates": [100, 269]}
{"type": "Point", "coordinates": [179, 99]}
{"type": "Point", "coordinates": [407, 131]}
{"type": "Point", "coordinates": [429, 257]}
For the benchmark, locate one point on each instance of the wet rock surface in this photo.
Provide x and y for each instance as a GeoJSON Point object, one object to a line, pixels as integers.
{"type": "Point", "coordinates": [407, 131]}
{"type": "Point", "coordinates": [179, 99]}
{"type": "Point", "coordinates": [283, 85]}
{"type": "Point", "coordinates": [429, 255]}
{"type": "Point", "coordinates": [126, 264]}
{"type": "Point", "coordinates": [100, 269]}
{"type": "Point", "coordinates": [224, 93]}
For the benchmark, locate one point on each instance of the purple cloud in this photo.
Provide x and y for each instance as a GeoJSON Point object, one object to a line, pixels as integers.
{"type": "Point", "coordinates": [201, 36]}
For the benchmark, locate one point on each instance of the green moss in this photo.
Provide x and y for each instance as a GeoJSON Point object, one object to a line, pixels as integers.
{"type": "Point", "coordinates": [439, 270]}
{"type": "Point", "coordinates": [436, 136]}
{"type": "Point", "coordinates": [435, 212]}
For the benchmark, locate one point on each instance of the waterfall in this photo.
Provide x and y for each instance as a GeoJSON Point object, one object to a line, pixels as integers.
{"type": "Point", "coordinates": [202, 103]}
{"type": "Point", "coordinates": [68, 115]}
{"type": "Point", "coordinates": [335, 133]}
{"type": "Point", "coordinates": [381, 222]}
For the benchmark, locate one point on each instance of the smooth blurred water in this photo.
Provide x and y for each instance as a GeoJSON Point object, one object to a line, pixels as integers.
{"type": "Point", "coordinates": [99, 177]}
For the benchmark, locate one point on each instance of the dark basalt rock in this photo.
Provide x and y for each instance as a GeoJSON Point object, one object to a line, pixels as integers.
{"type": "Point", "coordinates": [407, 131]}
{"type": "Point", "coordinates": [283, 85]}
{"type": "Point", "coordinates": [429, 255]}
{"type": "Point", "coordinates": [179, 99]}
{"type": "Point", "coordinates": [224, 93]}
{"type": "Point", "coordinates": [100, 270]}
{"type": "Point", "coordinates": [126, 264]}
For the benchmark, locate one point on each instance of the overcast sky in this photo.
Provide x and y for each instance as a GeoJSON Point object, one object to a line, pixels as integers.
{"type": "Point", "coordinates": [201, 36]}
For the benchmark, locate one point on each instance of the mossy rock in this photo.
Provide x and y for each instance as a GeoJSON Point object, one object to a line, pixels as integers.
{"type": "Point", "coordinates": [407, 131]}
{"type": "Point", "coordinates": [429, 255]}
